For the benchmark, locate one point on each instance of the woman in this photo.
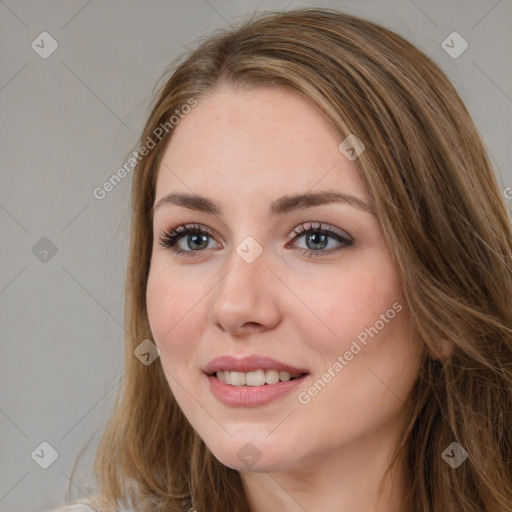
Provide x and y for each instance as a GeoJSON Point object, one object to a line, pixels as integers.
{"type": "Point", "coordinates": [319, 287]}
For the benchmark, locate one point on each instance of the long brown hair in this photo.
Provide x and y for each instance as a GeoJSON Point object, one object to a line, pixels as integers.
{"type": "Point", "coordinates": [442, 217]}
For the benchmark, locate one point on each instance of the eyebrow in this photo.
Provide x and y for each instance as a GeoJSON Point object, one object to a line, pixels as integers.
{"type": "Point", "coordinates": [282, 205]}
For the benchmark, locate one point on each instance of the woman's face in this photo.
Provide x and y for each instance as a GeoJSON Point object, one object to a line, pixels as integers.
{"type": "Point", "coordinates": [275, 287]}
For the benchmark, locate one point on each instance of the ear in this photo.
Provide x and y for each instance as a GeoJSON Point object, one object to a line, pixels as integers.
{"type": "Point", "coordinates": [442, 349]}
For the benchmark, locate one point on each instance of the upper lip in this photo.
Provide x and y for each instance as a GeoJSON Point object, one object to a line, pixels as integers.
{"type": "Point", "coordinates": [249, 364]}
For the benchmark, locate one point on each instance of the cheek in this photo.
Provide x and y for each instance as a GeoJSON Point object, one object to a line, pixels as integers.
{"type": "Point", "coordinates": [368, 364]}
{"type": "Point", "coordinates": [363, 321]}
{"type": "Point", "coordinates": [345, 302]}
{"type": "Point", "coordinates": [175, 311]}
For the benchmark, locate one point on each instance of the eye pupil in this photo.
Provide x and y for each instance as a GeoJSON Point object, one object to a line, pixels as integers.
{"type": "Point", "coordinates": [320, 240]}
{"type": "Point", "coordinates": [192, 240]}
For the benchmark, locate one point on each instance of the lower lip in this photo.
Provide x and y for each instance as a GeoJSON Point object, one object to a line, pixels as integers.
{"type": "Point", "coordinates": [250, 396]}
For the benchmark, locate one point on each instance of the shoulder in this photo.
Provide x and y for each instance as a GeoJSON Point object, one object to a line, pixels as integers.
{"type": "Point", "coordinates": [84, 506]}
{"type": "Point", "coordinates": [75, 507]}
{"type": "Point", "coordinates": [90, 506]}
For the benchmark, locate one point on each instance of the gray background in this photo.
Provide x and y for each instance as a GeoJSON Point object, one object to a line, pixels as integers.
{"type": "Point", "coordinates": [68, 123]}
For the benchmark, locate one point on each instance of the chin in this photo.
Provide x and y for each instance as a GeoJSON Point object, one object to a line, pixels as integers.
{"type": "Point", "coordinates": [254, 453]}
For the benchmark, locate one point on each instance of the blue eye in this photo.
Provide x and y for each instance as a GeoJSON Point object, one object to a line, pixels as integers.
{"type": "Point", "coordinates": [196, 235]}
{"type": "Point", "coordinates": [197, 239]}
{"type": "Point", "coordinates": [319, 235]}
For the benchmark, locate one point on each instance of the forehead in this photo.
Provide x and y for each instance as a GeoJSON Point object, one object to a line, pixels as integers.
{"type": "Point", "coordinates": [250, 144]}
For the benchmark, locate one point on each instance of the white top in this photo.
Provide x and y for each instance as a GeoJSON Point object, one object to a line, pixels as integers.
{"type": "Point", "coordinates": [83, 507]}
{"type": "Point", "coordinates": [79, 507]}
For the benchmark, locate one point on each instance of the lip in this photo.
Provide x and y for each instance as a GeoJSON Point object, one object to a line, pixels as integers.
{"type": "Point", "coordinates": [249, 364]}
{"type": "Point", "coordinates": [250, 396]}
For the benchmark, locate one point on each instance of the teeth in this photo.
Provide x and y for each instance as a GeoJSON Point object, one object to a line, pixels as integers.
{"type": "Point", "coordinates": [255, 378]}
{"type": "Point", "coordinates": [238, 378]}
{"type": "Point", "coordinates": [272, 376]}
{"type": "Point", "coordinates": [286, 376]}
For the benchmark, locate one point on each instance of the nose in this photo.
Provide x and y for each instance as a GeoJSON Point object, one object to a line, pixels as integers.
{"type": "Point", "coordinates": [247, 297]}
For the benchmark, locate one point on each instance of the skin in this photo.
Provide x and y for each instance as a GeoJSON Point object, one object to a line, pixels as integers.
{"type": "Point", "coordinates": [244, 149]}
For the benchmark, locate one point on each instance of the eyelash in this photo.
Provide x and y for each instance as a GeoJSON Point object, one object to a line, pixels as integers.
{"type": "Point", "coordinates": [170, 238]}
